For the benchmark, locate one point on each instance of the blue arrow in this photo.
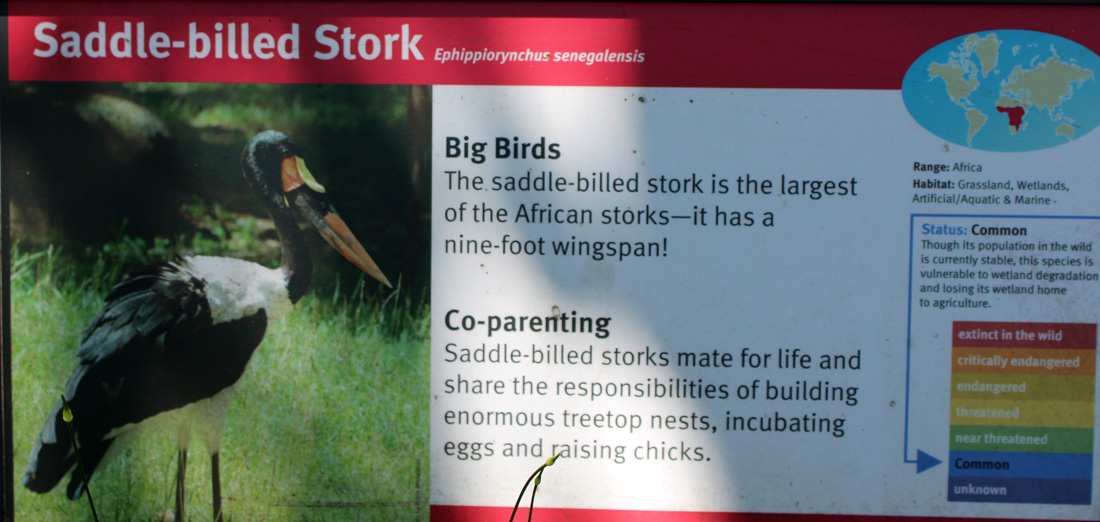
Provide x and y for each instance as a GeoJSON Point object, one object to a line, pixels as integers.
{"type": "Point", "coordinates": [926, 461]}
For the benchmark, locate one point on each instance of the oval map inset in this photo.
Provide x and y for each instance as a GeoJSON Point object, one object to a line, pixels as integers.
{"type": "Point", "coordinates": [1006, 91]}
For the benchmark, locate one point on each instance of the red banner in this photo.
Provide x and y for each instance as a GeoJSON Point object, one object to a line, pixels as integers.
{"type": "Point", "coordinates": [662, 45]}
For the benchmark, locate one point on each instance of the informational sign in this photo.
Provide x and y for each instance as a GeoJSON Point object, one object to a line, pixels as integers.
{"type": "Point", "coordinates": [724, 261]}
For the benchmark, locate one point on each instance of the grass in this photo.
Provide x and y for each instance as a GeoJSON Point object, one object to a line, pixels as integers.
{"type": "Point", "coordinates": [330, 421]}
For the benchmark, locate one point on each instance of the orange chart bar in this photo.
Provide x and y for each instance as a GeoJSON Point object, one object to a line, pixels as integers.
{"type": "Point", "coordinates": [1023, 361]}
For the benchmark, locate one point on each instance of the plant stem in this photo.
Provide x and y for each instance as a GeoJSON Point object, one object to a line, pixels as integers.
{"type": "Point", "coordinates": [531, 510]}
{"type": "Point", "coordinates": [537, 477]}
{"type": "Point", "coordinates": [524, 490]}
{"type": "Point", "coordinates": [67, 416]}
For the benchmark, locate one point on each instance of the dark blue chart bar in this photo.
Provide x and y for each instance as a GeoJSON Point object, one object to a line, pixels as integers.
{"type": "Point", "coordinates": [1019, 490]}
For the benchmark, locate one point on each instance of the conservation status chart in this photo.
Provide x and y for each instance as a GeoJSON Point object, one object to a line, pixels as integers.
{"type": "Point", "coordinates": [1022, 403]}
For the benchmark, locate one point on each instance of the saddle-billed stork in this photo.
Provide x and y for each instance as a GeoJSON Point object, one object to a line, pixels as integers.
{"type": "Point", "coordinates": [173, 338]}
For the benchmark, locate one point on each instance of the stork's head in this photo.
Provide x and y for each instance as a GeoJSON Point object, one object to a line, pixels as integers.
{"type": "Point", "coordinates": [273, 165]}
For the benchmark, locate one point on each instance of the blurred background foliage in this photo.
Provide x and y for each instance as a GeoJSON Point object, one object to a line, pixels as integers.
{"type": "Point", "coordinates": [156, 166]}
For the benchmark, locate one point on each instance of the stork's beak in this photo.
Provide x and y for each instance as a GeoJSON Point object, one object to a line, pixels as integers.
{"type": "Point", "coordinates": [323, 216]}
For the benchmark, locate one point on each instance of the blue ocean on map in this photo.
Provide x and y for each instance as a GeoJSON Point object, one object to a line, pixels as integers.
{"type": "Point", "coordinates": [1005, 91]}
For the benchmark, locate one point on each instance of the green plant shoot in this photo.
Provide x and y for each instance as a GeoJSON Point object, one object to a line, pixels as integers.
{"type": "Point", "coordinates": [67, 416]}
{"type": "Point", "coordinates": [537, 477]}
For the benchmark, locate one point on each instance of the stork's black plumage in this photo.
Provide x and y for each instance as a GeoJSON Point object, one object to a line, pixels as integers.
{"type": "Point", "coordinates": [173, 338]}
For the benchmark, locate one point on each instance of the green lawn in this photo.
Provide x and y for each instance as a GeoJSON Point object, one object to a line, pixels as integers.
{"type": "Point", "coordinates": [330, 420]}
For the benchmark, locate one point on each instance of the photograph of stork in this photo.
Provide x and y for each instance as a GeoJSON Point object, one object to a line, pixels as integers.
{"type": "Point", "coordinates": [229, 286]}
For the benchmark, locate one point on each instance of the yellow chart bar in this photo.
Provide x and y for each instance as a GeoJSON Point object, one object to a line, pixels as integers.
{"type": "Point", "coordinates": [1062, 414]}
{"type": "Point", "coordinates": [993, 386]}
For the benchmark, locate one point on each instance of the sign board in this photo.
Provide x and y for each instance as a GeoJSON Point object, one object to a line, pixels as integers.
{"type": "Point", "coordinates": [726, 261]}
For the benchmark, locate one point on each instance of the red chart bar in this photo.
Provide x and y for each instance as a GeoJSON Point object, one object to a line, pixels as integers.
{"type": "Point", "coordinates": [1059, 336]}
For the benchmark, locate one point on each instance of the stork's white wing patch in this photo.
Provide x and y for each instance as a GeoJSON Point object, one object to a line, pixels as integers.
{"type": "Point", "coordinates": [236, 289]}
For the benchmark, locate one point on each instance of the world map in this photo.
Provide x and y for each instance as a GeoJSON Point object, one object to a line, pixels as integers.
{"type": "Point", "coordinates": [1008, 90]}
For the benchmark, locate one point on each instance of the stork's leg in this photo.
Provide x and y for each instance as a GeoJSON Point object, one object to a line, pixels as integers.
{"type": "Point", "coordinates": [181, 475]}
{"type": "Point", "coordinates": [216, 486]}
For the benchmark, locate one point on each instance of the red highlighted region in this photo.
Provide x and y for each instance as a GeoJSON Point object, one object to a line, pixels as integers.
{"type": "Point", "coordinates": [1015, 116]}
{"type": "Point", "coordinates": [1056, 336]}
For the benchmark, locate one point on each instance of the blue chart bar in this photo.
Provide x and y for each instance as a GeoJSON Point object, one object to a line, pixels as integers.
{"type": "Point", "coordinates": [1019, 490]}
{"type": "Point", "coordinates": [1020, 477]}
{"type": "Point", "coordinates": [1007, 464]}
